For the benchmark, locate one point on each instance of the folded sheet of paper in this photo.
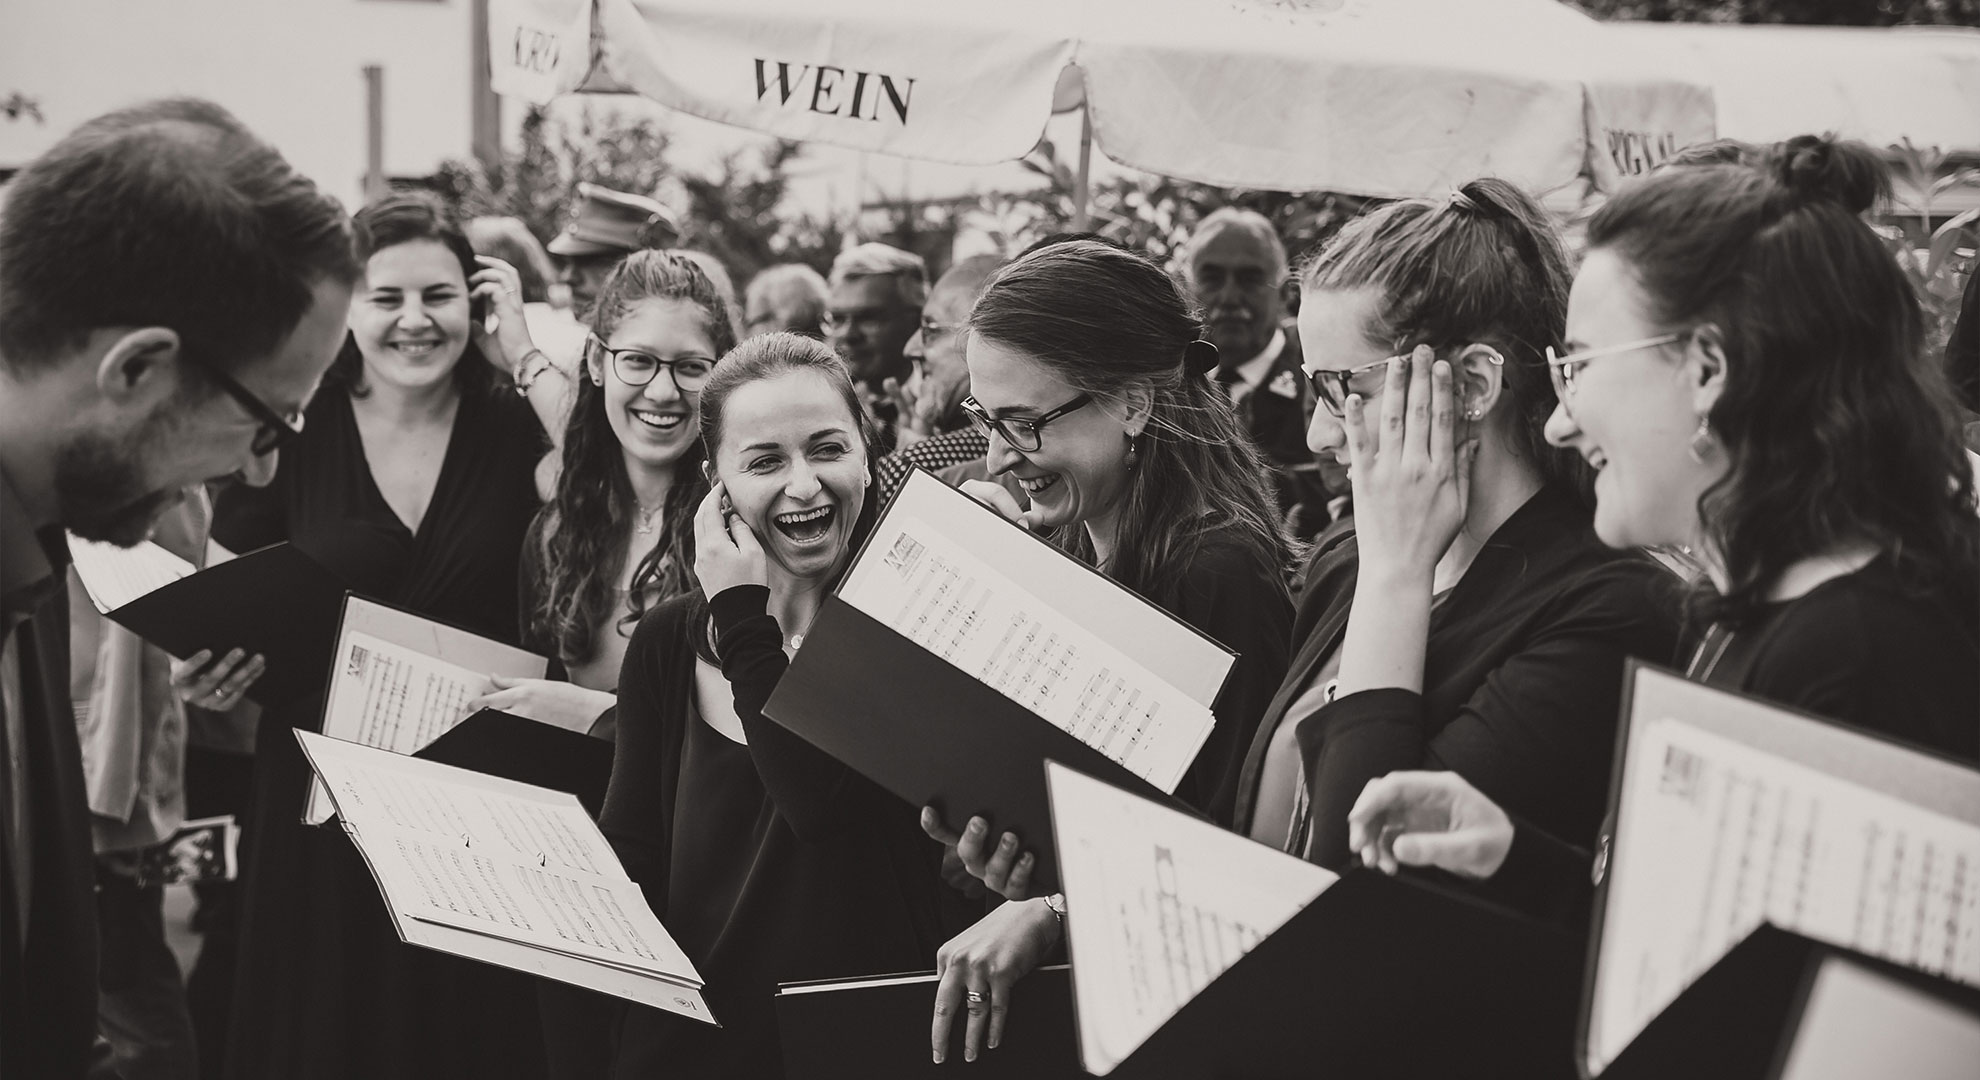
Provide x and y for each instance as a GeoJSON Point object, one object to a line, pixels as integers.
{"type": "Point", "coordinates": [1158, 905]}
{"type": "Point", "coordinates": [114, 576]}
{"type": "Point", "coordinates": [1084, 654]}
{"type": "Point", "coordinates": [524, 866]}
{"type": "Point", "coordinates": [399, 681]}
{"type": "Point", "coordinates": [1715, 836]}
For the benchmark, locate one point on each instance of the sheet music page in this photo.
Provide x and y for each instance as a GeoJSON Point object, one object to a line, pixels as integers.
{"type": "Point", "coordinates": [1715, 837]}
{"type": "Point", "coordinates": [952, 603]}
{"type": "Point", "coordinates": [480, 853]}
{"type": "Point", "coordinates": [114, 576]}
{"type": "Point", "coordinates": [1158, 904]}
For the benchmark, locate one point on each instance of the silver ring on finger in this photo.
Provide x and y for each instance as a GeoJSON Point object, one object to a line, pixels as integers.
{"type": "Point", "coordinates": [976, 997]}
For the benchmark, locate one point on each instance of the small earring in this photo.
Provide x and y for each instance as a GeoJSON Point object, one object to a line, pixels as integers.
{"type": "Point", "coordinates": [1701, 441]}
{"type": "Point", "coordinates": [1473, 414]}
{"type": "Point", "coordinates": [1133, 450]}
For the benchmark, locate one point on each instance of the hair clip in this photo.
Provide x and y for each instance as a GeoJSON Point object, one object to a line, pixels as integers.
{"type": "Point", "coordinates": [1199, 357]}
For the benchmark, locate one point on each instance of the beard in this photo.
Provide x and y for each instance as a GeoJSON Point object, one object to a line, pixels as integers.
{"type": "Point", "coordinates": [100, 488]}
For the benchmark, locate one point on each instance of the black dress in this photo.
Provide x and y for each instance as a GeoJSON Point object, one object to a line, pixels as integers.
{"type": "Point", "coordinates": [325, 987]}
{"type": "Point", "coordinates": [768, 862]}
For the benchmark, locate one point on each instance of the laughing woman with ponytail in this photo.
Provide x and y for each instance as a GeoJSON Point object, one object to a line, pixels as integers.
{"type": "Point", "coordinates": [1088, 376]}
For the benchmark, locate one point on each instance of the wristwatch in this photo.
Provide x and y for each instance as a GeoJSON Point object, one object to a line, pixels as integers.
{"type": "Point", "coordinates": [534, 364]}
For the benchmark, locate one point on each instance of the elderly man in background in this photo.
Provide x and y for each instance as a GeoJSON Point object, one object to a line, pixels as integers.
{"type": "Point", "coordinates": [605, 227]}
{"type": "Point", "coordinates": [931, 429]}
{"type": "Point", "coordinates": [1235, 265]}
{"type": "Point", "coordinates": [873, 308]}
{"type": "Point", "coordinates": [788, 296]}
{"type": "Point", "coordinates": [171, 292]}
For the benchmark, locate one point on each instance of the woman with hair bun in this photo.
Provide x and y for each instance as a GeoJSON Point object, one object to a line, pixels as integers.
{"type": "Point", "coordinates": [1088, 376]}
{"type": "Point", "coordinates": [1744, 371]}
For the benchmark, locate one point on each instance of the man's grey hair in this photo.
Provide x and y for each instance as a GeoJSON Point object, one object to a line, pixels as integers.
{"type": "Point", "coordinates": [1249, 222]}
{"type": "Point", "coordinates": [795, 283]}
{"type": "Point", "coordinates": [909, 272]}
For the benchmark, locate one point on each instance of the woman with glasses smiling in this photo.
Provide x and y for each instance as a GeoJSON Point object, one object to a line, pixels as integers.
{"type": "Point", "coordinates": [413, 482]}
{"type": "Point", "coordinates": [1089, 380]}
{"type": "Point", "coordinates": [1472, 622]}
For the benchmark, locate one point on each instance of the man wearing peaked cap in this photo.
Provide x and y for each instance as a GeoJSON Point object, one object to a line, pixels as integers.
{"type": "Point", "coordinates": [608, 226]}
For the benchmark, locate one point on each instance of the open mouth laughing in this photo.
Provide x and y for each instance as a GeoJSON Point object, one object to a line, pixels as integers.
{"type": "Point", "coordinates": [806, 526]}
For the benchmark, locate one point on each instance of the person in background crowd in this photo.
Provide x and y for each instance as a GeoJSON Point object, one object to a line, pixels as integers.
{"type": "Point", "coordinates": [1742, 370]}
{"type": "Point", "coordinates": [933, 431]}
{"type": "Point", "coordinates": [508, 239]}
{"type": "Point", "coordinates": [789, 297]}
{"type": "Point", "coordinates": [1088, 379]}
{"type": "Point", "coordinates": [1235, 266]}
{"type": "Point", "coordinates": [1472, 621]}
{"type": "Point", "coordinates": [769, 861]}
{"type": "Point", "coordinates": [170, 293]}
{"type": "Point", "coordinates": [412, 483]}
{"type": "Point", "coordinates": [133, 732]}
{"type": "Point", "coordinates": [605, 227]}
{"type": "Point", "coordinates": [872, 311]}
{"type": "Point", "coordinates": [1963, 363]}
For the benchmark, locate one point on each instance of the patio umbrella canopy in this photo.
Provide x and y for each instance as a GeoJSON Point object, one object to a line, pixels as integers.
{"type": "Point", "coordinates": [1377, 97]}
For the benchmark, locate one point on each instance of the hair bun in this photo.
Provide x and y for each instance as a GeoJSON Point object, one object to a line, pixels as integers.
{"type": "Point", "coordinates": [1823, 168]}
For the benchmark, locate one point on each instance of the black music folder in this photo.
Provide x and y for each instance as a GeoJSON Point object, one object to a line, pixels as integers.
{"type": "Point", "coordinates": [1781, 1006]}
{"type": "Point", "coordinates": [961, 652]}
{"type": "Point", "coordinates": [858, 1029]}
{"type": "Point", "coordinates": [517, 748]}
{"type": "Point", "coordinates": [1751, 844]}
{"type": "Point", "coordinates": [1198, 952]}
{"type": "Point", "coordinates": [275, 601]}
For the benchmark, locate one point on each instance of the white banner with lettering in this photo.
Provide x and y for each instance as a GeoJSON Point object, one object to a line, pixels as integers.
{"type": "Point", "coordinates": [1382, 97]}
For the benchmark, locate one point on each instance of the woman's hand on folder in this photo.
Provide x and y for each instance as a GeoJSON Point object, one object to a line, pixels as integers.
{"type": "Point", "coordinates": [996, 497]}
{"type": "Point", "coordinates": [546, 701]}
{"type": "Point", "coordinates": [216, 685]}
{"type": "Point", "coordinates": [985, 961]}
{"type": "Point", "coordinates": [1004, 868]}
{"type": "Point", "coordinates": [726, 551]}
{"type": "Point", "coordinates": [1429, 819]}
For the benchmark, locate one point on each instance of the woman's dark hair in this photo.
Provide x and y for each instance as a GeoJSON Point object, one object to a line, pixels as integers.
{"type": "Point", "coordinates": [1835, 428]}
{"type": "Point", "coordinates": [403, 218]}
{"type": "Point", "coordinates": [1483, 266]}
{"type": "Point", "coordinates": [768, 356]}
{"type": "Point", "coordinates": [581, 534]}
{"type": "Point", "coordinates": [1108, 323]}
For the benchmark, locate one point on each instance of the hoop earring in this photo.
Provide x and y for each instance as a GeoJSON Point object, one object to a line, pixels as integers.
{"type": "Point", "coordinates": [1133, 451]}
{"type": "Point", "coordinates": [1701, 441]}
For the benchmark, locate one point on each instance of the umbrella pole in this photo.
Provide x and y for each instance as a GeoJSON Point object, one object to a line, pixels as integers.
{"type": "Point", "coordinates": [1082, 190]}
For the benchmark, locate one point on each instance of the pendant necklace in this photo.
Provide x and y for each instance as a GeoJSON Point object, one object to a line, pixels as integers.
{"type": "Point", "coordinates": [646, 516]}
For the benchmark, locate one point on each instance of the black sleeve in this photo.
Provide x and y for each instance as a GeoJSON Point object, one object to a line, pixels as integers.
{"type": "Point", "coordinates": [1233, 599]}
{"type": "Point", "coordinates": [812, 791]}
{"type": "Point", "coordinates": [1536, 737]}
{"type": "Point", "coordinates": [1544, 877]}
{"type": "Point", "coordinates": [638, 812]}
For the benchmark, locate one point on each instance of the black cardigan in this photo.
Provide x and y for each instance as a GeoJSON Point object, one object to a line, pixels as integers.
{"type": "Point", "coordinates": [1522, 677]}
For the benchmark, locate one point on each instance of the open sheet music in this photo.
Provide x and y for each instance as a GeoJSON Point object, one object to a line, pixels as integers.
{"type": "Point", "coordinates": [1057, 638]}
{"type": "Point", "coordinates": [114, 576]}
{"type": "Point", "coordinates": [461, 856]}
{"type": "Point", "coordinates": [1158, 905]}
{"type": "Point", "coordinates": [1719, 830]}
{"type": "Point", "coordinates": [399, 680]}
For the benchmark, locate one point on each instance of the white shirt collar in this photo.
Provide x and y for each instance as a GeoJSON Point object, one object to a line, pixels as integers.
{"type": "Point", "coordinates": [1252, 373]}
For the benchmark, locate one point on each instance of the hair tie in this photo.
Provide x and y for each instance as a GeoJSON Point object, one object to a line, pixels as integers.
{"type": "Point", "coordinates": [1199, 357]}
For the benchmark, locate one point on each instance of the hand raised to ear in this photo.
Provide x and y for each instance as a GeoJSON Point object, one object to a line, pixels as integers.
{"type": "Point", "coordinates": [726, 551]}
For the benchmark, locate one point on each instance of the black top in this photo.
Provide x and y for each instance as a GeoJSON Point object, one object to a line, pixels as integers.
{"type": "Point", "coordinates": [48, 975]}
{"type": "Point", "coordinates": [1859, 648]}
{"type": "Point", "coordinates": [1232, 597]}
{"type": "Point", "coordinates": [1522, 677]}
{"type": "Point", "coordinates": [325, 988]}
{"type": "Point", "coordinates": [769, 862]}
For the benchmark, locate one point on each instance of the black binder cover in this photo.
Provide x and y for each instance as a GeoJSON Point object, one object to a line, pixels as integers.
{"type": "Point", "coordinates": [930, 733]}
{"type": "Point", "coordinates": [1738, 1020]}
{"type": "Point", "coordinates": [859, 1032]}
{"type": "Point", "coordinates": [1381, 977]}
{"type": "Point", "coordinates": [276, 601]}
{"type": "Point", "coordinates": [517, 748]}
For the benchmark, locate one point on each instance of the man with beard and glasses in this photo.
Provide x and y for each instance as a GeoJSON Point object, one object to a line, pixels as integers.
{"type": "Point", "coordinates": [171, 291]}
{"type": "Point", "coordinates": [1235, 265]}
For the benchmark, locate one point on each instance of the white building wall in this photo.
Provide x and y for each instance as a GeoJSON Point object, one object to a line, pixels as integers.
{"type": "Point", "coordinates": [291, 69]}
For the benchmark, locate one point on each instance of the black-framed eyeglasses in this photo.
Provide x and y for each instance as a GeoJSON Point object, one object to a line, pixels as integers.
{"type": "Point", "coordinates": [1332, 388]}
{"type": "Point", "coordinates": [637, 367]}
{"type": "Point", "coordinates": [276, 430]}
{"type": "Point", "coordinates": [1021, 432]}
